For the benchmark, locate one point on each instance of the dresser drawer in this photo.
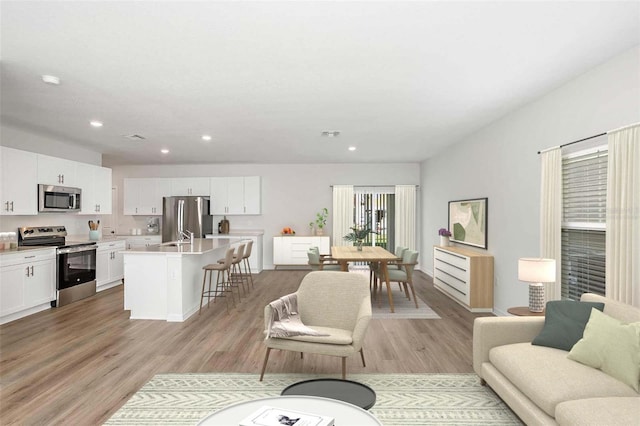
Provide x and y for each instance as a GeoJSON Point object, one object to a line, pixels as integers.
{"type": "Point", "coordinates": [455, 287]}
{"type": "Point", "coordinates": [461, 262]}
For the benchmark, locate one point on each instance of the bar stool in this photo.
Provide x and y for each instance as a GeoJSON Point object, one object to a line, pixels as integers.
{"type": "Point", "coordinates": [245, 259]}
{"type": "Point", "coordinates": [221, 284]}
{"type": "Point", "coordinates": [236, 278]}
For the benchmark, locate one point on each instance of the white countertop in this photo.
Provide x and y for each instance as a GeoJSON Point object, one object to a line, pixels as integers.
{"type": "Point", "coordinates": [74, 239]}
{"type": "Point", "coordinates": [200, 246]}
{"type": "Point", "coordinates": [24, 249]}
{"type": "Point", "coordinates": [239, 232]}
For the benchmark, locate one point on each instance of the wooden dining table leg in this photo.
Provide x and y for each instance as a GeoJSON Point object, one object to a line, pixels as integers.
{"type": "Point", "coordinates": [344, 266]}
{"type": "Point", "coordinates": [385, 274]}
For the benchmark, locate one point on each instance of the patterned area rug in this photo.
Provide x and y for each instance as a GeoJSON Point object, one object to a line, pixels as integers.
{"type": "Point", "coordinates": [402, 399]}
{"type": "Point", "coordinates": [403, 307]}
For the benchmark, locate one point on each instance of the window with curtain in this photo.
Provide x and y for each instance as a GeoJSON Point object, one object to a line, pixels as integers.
{"type": "Point", "coordinates": [584, 199]}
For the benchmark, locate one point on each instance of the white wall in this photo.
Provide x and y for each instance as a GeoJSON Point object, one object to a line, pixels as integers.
{"type": "Point", "coordinates": [291, 194]}
{"type": "Point", "coordinates": [501, 162]}
{"type": "Point", "coordinates": [26, 140]}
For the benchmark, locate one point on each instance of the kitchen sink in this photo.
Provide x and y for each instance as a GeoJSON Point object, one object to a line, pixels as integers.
{"type": "Point", "coordinates": [176, 244]}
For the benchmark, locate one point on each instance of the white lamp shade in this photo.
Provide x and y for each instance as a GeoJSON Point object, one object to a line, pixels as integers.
{"type": "Point", "coordinates": [536, 270]}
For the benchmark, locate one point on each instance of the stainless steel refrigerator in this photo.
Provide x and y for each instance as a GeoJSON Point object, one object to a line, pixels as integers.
{"type": "Point", "coordinates": [185, 214]}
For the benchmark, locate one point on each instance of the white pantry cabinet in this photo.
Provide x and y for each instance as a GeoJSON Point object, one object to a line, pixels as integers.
{"type": "Point", "coordinates": [27, 283]}
{"type": "Point", "coordinates": [190, 186]}
{"type": "Point", "coordinates": [236, 195]}
{"type": "Point", "coordinates": [109, 264]}
{"type": "Point", "coordinates": [292, 250]}
{"type": "Point", "coordinates": [95, 183]}
{"type": "Point", "coordinates": [19, 184]}
{"type": "Point", "coordinates": [143, 196]}
{"type": "Point", "coordinates": [57, 171]}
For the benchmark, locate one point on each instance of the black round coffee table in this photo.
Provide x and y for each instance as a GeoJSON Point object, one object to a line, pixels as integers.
{"type": "Point", "coordinates": [344, 390]}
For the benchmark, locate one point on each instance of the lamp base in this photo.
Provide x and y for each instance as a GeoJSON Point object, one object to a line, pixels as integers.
{"type": "Point", "coordinates": [536, 297]}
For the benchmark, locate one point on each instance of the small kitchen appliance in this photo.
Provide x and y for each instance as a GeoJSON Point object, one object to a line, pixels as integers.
{"type": "Point", "coordinates": [153, 225]}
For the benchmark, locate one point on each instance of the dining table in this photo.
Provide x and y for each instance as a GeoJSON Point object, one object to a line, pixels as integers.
{"type": "Point", "coordinates": [345, 254]}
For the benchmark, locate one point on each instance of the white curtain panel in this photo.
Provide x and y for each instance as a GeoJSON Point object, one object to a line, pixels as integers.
{"type": "Point", "coordinates": [342, 213]}
{"type": "Point", "coordinates": [405, 224]}
{"type": "Point", "coordinates": [623, 216]}
{"type": "Point", "coordinates": [551, 215]}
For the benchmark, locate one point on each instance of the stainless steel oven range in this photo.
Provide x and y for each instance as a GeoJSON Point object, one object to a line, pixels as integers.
{"type": "Point", "coordinates": [76, 262]}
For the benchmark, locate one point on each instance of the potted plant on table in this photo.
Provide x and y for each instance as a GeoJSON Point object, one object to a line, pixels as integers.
{"type": "Point", "coordinates": [445, 234]}
{"type": "Point", "coordinates": [321, 220]}
{"type": "Point", "coordinates": [358, 235]}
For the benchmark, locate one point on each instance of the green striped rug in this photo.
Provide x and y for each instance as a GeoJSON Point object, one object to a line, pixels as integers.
{"type": "Point", "coordinates": [402, 399]}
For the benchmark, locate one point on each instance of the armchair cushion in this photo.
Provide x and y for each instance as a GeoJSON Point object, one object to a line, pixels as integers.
{"type": "Point", "coordinates": [564, 323]}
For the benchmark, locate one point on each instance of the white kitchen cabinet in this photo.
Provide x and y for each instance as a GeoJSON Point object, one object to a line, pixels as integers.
{"type": "Point", "coordinates": [190, 186]}
{"type": "Point", "coordinates": [27, 283]}
{"type": "Point", "coordinates": [95, 183]}
{"type": "Point", "coordinates": [142, 241]}
{"type": "Point", "coordinates": [109, 264]}
{"type": "Point", "coordinates": [235, 195]}
{"type": "Point", "coordinates": [143, 196]}
{"type": "Point", "coordinates": [57, 171]}
{"type": "Point", "coordinates": [292, 250]}
{"type": "Point", "coordinates": [19, 184]}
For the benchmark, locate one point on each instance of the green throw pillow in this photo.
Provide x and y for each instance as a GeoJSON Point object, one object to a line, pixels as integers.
{"type": "Point", "coordinates": [611, 346]}
{"type": "Point", "coordinates": [564, 323]}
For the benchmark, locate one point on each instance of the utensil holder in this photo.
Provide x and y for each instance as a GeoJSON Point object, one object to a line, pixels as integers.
{"type": "Point", "coordinates": [94, 235]}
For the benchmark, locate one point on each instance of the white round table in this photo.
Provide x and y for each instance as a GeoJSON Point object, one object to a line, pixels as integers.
{"type": "Point", "coordinates": [342, 412]}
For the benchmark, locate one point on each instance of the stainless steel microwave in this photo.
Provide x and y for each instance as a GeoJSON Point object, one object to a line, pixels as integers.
{"type": "Point", "coordinates": [59, 199]}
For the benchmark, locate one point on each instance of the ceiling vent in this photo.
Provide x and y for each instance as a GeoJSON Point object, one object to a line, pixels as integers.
{"type": "Point", "coordinates": [135, 137]}
{"type": "Point", "coordinates": [331, 133]}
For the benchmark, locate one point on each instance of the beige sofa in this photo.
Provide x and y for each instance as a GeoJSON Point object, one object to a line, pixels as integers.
{"type": "Point", "coordinates": [540, 384]}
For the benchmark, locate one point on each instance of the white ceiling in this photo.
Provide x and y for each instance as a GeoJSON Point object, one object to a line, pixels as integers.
{"type": "Point", "coordinates": [400, 80]}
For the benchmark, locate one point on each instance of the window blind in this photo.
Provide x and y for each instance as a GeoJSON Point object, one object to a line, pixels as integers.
{"type": "Point", "coordinates": [583, 263]}
{"type": "Point", "coordinates": [584, 189]}
{"type": "Point", "coordinates": [584, 199]}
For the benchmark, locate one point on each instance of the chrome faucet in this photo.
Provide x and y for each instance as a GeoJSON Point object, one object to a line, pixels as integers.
{"type": "Point", "coordinates": [186, 235]}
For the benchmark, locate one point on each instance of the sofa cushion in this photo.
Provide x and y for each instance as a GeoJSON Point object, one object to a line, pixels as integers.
{"type": "Point", "coordinates": [611, 346]}
{"type": "Point", "coordinates": [599, 411]}
{"type": "Point", "coordinates": [548, 377]}
{"type": "Point", "coordinates": [564, 323]}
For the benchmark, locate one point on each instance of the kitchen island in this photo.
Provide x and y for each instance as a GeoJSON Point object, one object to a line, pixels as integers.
{"type": "Point", "coordinates": [164, 282]}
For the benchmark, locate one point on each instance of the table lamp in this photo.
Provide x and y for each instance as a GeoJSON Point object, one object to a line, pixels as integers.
{"type": "Point", "coordinates": [536, 271]}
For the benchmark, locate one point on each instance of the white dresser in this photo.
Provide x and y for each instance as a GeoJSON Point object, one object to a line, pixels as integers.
{"type": "Point", "coordinates": [292, 249]}
{"type": "Point", "coordinates": [464, 275]}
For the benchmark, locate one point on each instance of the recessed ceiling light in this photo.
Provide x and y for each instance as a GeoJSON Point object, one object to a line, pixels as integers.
{"type": "Point", "coordinates": [96, 123]}
{"type": "Point", "coordinates": [352, 148]}
{"type": "Point", "coordinates": [164, 151]}
{"type": "Point", "coordinates": [330, 133]}
{"type": "Point", "coordinates": [51, 79]}
{"type": "Point", "coordinates": [206, 137]}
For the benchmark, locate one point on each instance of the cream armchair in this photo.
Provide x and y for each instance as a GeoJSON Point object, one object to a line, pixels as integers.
{"type": "Point", "coordinates": [334, 303]}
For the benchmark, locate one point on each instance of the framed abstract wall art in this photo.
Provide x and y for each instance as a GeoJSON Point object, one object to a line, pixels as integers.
{"type": "Point", "coordinates": [468, 222]}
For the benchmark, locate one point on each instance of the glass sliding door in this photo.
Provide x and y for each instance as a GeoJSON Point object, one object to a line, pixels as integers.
{"type": "Point", "coordinates": [374, 207]}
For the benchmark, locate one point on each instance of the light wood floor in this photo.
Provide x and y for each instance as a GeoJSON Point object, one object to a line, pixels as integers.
{"type": "Point", "coordinates": [79, 363]}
